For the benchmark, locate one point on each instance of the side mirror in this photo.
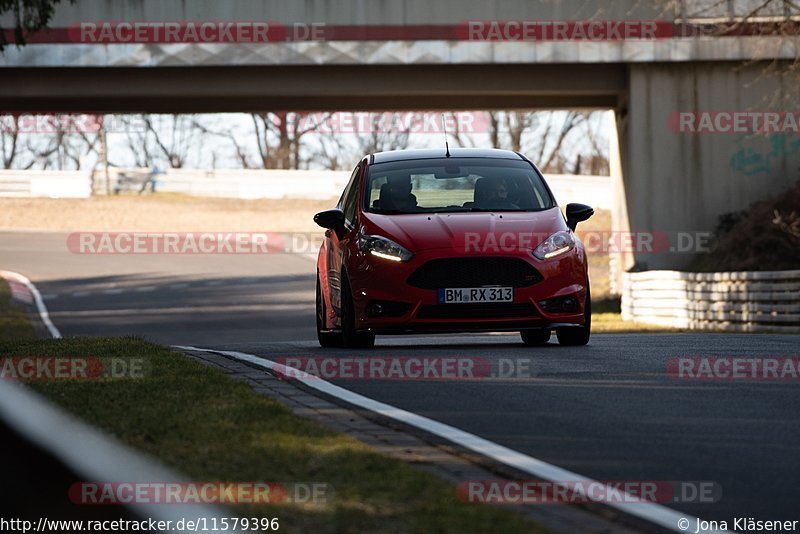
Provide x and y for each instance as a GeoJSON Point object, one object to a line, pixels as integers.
{"type": "Point", "coordinates": [577, 213]}
{"type": "Point", "coordinates": [332, 219]}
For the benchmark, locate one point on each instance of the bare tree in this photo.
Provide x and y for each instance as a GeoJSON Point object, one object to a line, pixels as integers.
{"type": "Point", "coordinates": [162, 140]}
{"type": "Point", "coordinates": [10, 142]}
{"type": "Point", "coordinates": [546, 136]}
{"type": "Point", "coordinates": [378, 140]}
{"type": "Point", "coordinates": [64, 143]}
{"type": "Point", "coordinates": [240, 152]}
{"type": "Point", "coordinates": [333, 154]}
{"type": "Point", "coordinates": [138, 145]}
{"type": "Point", "coordinates": [375, 133]}
{"type": "Point", "coordinates": [172, 137]}
{"type": "Point", "coordinates": [29, 16]}
{"type": "Point", "coordinates": [279, 137]}
{"type": "Point", "coordinates": [54, 141]}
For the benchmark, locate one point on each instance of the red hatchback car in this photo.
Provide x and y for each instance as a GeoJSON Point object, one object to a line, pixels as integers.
{"type": "Point", "coordinates": [468, 240]}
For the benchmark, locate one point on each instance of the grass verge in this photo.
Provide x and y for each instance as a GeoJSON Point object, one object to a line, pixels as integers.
{"type": "Point", "coordinates": [14, 324]}
{"type": "Point", "coordinates": [607, 319]}
{"type": "Point", "coordinates": [612, 323]}
{"type": "Point", "coordinates": [211, 427]}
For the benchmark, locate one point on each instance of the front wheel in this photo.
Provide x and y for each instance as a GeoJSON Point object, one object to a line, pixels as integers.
{"type": "Point", "coordinates": [578, 335]}
{"type": "Point", "coordinates": [535, 337]}
{"type": "Point", "coordinates": [326, 339]}
{"type": "Point", "coordinates": [352, 338]}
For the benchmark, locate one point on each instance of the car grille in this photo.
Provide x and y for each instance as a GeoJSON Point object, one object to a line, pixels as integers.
{"type": "Point", "coordinates": [475, 272]}
{"type": "Point", "coordinates": [476, 311]}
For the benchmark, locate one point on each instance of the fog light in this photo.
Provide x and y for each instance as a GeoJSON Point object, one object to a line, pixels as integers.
{"type": "Point", "coordinates": [374, 309]}
{"type": "Point", "coordinates": [386, 308]}
{"type": "Point", "coordinates": [560, 305]}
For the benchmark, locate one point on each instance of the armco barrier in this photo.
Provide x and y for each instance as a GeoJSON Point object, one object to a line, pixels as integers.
{"type": "Point", "coordinates": [92, 455]}
{"type": "Point", "coordinates": [757, 301]}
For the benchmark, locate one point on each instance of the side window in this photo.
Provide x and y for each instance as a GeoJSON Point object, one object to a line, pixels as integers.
{"type": "Point", "coordinates": [340, 204]}
{"type": "Point", "coordinates": [375, 184]}
{"type": "Point", "coordinates": [351, 197]}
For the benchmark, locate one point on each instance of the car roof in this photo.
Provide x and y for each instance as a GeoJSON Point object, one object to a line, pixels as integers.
{"type": "Point", "coordinates": [431, 153]}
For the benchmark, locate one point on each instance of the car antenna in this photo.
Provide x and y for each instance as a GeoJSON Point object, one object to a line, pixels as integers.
{"type": "Point", "coordinates": [446, 144]}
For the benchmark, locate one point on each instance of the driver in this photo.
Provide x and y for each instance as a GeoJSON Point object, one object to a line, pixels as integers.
{"type": "Point", "coordinates": [400, 196]}
{"type": "Point", "coordinates": [495, 195]}
{"type": "Point", "coordinates": [497, 192]}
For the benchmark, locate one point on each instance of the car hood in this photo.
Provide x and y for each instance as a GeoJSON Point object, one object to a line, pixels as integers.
{"type": "Point", "coordinates": [466, 231]}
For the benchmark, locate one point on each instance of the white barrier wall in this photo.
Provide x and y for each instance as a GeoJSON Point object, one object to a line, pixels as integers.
{"type": "Point", "coordinates": [252, 184]}
{"type": "Point", "coordinates": [244, 184]}
{"type": "Point", "coordinates": [733, 301]}
{"type": "Point", "coordinates": [53, 184]}
{"type": "Point", "coordinates": [592, 190]}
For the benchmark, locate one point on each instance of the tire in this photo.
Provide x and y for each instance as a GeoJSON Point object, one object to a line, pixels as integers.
{"type": "Point", "coordinates": [351, 338]}
{"type": "Point", "coordinates": [326, 339]}
{"type": "Point", "coordinates": [578, 335]}
{"type": "Point", "coordinates": [535, 337]}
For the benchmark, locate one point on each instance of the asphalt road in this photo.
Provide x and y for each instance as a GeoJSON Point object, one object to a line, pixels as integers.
{"type": "Point", "coordinates": [609, 411]}
{"type": "Point", "coordinates": [172, 299]}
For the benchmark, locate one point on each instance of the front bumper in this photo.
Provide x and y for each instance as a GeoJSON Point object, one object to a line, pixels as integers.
{"type": "Point", "coordinates": [386, 302]}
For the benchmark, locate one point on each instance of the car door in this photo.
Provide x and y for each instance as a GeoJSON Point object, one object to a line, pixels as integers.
{"type": "Point", "coordinates": [338, 241]}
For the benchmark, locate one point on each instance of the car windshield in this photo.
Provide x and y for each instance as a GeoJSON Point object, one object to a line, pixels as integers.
{"type": "Point", "coordinates": [455, 185]}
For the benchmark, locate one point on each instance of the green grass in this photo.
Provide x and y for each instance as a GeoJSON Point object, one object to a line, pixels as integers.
{"type": "Point", "coordinates": [213, 428]}
{"type": "Point", "coordinates": [14, 322]}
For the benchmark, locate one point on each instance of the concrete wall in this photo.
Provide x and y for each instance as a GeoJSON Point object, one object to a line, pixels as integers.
{"type": "Point", "coordinates": [677, 182]}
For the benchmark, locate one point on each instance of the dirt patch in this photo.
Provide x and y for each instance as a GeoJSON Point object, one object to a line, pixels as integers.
{"type": "Point", "coordinates": [161, 213]}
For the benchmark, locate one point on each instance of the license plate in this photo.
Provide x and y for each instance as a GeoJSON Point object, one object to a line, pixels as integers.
{"type": "Point", "coordinates": [462, 295]}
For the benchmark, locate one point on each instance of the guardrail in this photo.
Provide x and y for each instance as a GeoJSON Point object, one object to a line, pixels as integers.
{"type": "Point", "coordinates": [752, 301]}
{"type": "Point", "coordinates": [93, 456]}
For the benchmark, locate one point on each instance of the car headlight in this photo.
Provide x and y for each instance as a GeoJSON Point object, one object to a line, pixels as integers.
{"type": "Point", "coordinates": [383, 248]}
{"type": "Point", "coordinates": [555, 245]}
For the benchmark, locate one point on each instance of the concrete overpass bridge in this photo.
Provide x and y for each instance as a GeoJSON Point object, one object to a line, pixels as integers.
{"type": "Point", "coordinates": [423, 55]}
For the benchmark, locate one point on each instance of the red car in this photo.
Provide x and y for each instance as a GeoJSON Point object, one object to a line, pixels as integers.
{"type": "Point", "coordinates": [464, 240]}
